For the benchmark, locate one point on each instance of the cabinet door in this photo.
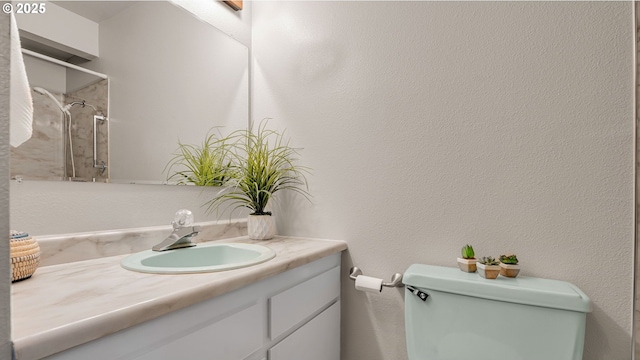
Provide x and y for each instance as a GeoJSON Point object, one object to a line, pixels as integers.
{"type": "Point", "coordinates": [319, 339]}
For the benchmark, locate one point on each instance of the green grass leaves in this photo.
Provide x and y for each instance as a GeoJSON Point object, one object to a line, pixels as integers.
{"type": "Point", "coordinates": [250, 166]}
{"type": "Point", "coordinates": [261, 163]}
{"type": "Point", "coordinates": [203, 165]}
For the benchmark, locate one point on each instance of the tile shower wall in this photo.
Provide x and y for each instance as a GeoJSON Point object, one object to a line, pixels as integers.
{"type": "Point", "coordinates": [42, 156]}
{"type": "Point", "coordinates": [82, 130]}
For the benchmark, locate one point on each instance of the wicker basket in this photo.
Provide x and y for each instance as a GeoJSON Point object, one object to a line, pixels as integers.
{"type": "Point", "coordinates": [25, 256]}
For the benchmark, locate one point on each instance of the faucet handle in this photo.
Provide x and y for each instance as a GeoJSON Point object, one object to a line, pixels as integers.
{"type": "Point", "coordinates": [182, 218]}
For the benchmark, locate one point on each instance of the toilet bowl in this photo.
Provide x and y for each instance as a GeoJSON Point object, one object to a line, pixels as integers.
{"type": "Point", "coordinates": [453, 315]}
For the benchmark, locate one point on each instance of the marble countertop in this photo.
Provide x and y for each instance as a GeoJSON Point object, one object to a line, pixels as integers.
{"type": "Point", "coordinates": [66, 305]}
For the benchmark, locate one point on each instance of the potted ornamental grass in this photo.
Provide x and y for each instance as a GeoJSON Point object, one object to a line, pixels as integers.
{"type": "Point", "coordinates": [200, 165]}
{"type": "Point", "coordinates": [509, 265]}
{"type": "Point", "coordinates": [488, 267]}
{"type": "Point", "coordinates": [261, 163]}
{"type": "Point", "coordinates": [467, 262]}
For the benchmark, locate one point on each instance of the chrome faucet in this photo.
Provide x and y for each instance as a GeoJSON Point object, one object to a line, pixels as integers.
{"type": "Point", "coordinates": [181, 235]}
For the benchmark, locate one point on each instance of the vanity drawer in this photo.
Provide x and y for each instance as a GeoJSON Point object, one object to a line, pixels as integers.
{"type": "Point", "coordinates": [319, 339]}
{"type": "Point", "coordinates": [233, 338]}
{"type": "Point", "coordinates": [299, 303]}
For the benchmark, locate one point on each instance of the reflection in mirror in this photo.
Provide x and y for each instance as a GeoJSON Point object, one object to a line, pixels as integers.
{"type": "Point", "coordinates": [168, 77]}
{"type": "Point", "coordinates": [69, 108]}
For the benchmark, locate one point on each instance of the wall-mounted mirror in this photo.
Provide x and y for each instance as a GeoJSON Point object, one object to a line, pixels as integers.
{"type": "Point", "coordinates": [157, 74]}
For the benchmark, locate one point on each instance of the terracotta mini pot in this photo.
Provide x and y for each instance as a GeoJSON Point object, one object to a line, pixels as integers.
{"type": "Point", "coordinates": [509, 270]}
{"type": "Point", "coordinates": [488, 271]}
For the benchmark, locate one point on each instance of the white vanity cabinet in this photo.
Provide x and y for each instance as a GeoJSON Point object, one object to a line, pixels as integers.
{"type": "Point", "coordinates": [294, 315]}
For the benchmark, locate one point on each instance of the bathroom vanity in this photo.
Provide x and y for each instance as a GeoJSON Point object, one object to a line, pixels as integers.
{"type": "Point", "coordinates": [287, 308]}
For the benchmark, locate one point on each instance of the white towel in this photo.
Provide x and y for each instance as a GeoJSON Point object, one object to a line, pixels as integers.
{"type": "Point", "coordinates": [21, 104]}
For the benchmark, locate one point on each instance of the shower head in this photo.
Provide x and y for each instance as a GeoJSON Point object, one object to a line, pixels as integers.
{"type": "Point", "coordinates": [82, 104]}
{"type": "Point", "coordinates": [39, 90]}
{"type": "Point", "coordinates": [42, 91]}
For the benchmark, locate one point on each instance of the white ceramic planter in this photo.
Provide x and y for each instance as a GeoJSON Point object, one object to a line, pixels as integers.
{"type": "Point", "coordinates": [488, 271]}
{"type": "Point", "coordinates": [467, 265]}
{"type": "Point", "coordinates": [261, 227]}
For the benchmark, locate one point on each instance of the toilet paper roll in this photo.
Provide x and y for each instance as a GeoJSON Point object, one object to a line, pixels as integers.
{"type": "Point", "coordinates": [368, 283]}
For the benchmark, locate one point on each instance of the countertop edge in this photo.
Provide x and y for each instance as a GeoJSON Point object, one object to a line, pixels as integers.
{"type": "Point", "coordinates": [46, 343]}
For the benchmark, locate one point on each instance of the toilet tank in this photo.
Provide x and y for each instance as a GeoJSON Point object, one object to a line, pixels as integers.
{"type": "Point", "coordinates": [469, 317]}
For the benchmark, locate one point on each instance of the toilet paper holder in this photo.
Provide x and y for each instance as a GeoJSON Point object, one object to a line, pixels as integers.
{"type": "Point", "coordinates": [396, 279]}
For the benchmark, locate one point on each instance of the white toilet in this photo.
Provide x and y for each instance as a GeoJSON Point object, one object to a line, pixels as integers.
{"type": "Point", "coordinates": [453, 315]}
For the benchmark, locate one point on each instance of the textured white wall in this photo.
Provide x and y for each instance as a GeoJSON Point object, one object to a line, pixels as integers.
{"type": "Point", "coordinates": [430, 125]}
{"type": "Point", "coordinates": [5, 267]}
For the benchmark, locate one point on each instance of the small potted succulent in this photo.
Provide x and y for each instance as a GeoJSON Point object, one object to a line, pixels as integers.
{"type": "Point", "coordinates": [467, 262]}
{"type": "Point", "coordinates": [509, 265]}
{"type": "Point", "coordinates": [488, 267]}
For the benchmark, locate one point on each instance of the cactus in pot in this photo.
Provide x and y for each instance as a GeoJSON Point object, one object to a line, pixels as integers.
{"type": "Point", "coordinates": [509, 265]}
{"type": "Point", "coordinates": [467, 262]}
{"type": "Point", "coordinates": [488, 267]}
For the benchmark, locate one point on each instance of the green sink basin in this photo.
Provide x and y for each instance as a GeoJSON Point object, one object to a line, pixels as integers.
{"type": "Point", "coordinates": [198, 259]}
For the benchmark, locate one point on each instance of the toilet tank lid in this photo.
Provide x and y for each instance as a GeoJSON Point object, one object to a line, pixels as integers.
{"type": "Point", "coordinates": [522, 290]}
